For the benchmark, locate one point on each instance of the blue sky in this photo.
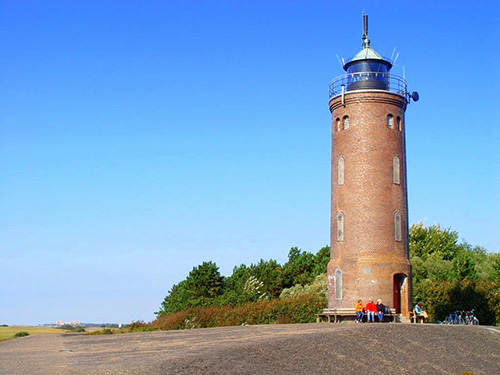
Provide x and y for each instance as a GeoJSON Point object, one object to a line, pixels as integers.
{"type": "Point", "coordinates": [139, 139]}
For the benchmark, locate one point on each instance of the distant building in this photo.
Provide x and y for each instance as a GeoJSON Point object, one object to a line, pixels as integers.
{"type": "Point", "coordinates": [71, 323]}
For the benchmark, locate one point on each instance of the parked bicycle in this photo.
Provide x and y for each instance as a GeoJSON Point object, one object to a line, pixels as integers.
{"type": "Point", "coordinates": [470, 319]}
{"type": "Point", "coordinates": [462, 317]}
{"type": "Point", "coordinates": [454, 318]}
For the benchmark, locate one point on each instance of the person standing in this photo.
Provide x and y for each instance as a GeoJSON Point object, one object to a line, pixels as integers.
{"type": "Point", "coordinates": [380, 310]}
{"type": "Point", "coordinates": [359, 312]}
{"type": "Point", "coordinates": [371, 309]}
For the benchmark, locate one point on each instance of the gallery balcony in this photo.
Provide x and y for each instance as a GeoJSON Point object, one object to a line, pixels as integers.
{"type": "Point", "coordinates": [368, 81]}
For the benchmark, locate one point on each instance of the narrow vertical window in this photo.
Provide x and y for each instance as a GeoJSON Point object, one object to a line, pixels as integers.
{"type": "Point", "coordinates": [390, 124]}
{"type": "Point", "coordinates": [338, 284]}
{"type": "Point", "coordinates": [338, 124]}
{"type": "Point", "coordinates": [346, 122]}
{"type": "Point", "coordinates": [340, 171]}
{"type": "Point", "coordinates": [397, 226]}
{"type": "Point", "coordinates": [398, 123]}
{"type": "Point", "coordinates": [340, 226]}
{"type": "Point", "coordinates": [396, 174]}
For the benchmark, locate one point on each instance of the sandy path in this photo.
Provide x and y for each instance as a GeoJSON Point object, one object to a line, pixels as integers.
{"type": "Point", "coordinates": [274, 349]}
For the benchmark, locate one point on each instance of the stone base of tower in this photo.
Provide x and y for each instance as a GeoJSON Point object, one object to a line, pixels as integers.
{"type": "Point", "coordinates": [385, 279]}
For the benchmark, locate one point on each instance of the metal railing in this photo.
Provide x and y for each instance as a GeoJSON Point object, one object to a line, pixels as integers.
{"type": "Point", "coordinates": [368, 81]}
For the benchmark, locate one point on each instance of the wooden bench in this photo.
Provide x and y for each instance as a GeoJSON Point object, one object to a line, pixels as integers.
{"type": "Point", "coordinates": [345, 314]}
{"type": "Point", "coordinates": [416, 318]}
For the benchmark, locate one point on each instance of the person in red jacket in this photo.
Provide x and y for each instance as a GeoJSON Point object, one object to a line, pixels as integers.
{"type": "Point", "coordinates": [370, 309]}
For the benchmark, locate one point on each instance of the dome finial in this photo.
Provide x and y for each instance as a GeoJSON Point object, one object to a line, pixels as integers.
{"type": "Point", "coordinates": [366, 41]}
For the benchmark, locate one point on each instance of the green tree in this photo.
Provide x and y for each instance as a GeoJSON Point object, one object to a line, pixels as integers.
{"type": "Point", "coordinates": [448, 276]}
{"type": "Point", "coordinates": [300, 267]}
{"type": "Point", "coordinates": [494, 260]}
{"type": "Point", "coordinates": [464, 266]}
{"type": "Point", "coordinates": [234, 287]}
{"type": "Point", "coordinates": [424, 241]}
{"type": "Point", "coordinates": [271, 274]}
{"type": "Point", "coordinates": [436, 268]}
{"type": "Point", "coordinates": [321, 260]}
{"type": "Point", "coordinates": [177, 299]}
{"type": "Point", "coordinates": [435, 255]}
{"type": "Point", "coordinates": [491, 291]}
{"type": "Point", "coordinates": [202, 287]}
{"type": "Point", "coordinates": [205, 283]}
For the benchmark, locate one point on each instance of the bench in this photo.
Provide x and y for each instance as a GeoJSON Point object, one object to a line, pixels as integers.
{"type": "Point", "coordinates": [346, 314]}
{"type": "Point", "coordinates": [416, 318]}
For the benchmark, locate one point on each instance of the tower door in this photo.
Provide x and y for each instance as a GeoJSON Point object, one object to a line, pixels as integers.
{"type": "Point", "coordinates": [398, 290]}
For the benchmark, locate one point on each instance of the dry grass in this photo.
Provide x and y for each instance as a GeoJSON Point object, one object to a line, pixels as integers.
{"type": "Point", "coordinates": [7, 333]}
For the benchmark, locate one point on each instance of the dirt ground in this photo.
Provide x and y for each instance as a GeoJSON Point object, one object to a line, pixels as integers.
{"type": "Point", "coordinates": [271, 349]}
{"type": "Point", "coordinates": [7, 333]}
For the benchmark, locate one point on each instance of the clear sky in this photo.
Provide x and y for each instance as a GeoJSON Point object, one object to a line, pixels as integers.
{"type": "Point", "coordinates": [141, 138]}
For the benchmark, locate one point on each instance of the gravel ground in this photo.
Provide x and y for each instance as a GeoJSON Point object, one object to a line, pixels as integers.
{"type": "Point", "coordinates": [272, 349]}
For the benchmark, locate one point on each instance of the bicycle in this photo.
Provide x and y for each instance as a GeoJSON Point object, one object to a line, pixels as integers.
{"type": "Point", "coordinates": [462, 317]}
{"type": "Point", "coordinates": [470, 319]}
{"type": "Point", "coordinates": [454, 318]}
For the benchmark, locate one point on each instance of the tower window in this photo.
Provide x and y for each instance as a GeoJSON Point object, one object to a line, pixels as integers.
{"type": "Point", "coordinates": [340, 226]}
{"type": "Point", "coordinates": [397, 226]}
{"type": "Point", "coordinates": [390, 122]}
{"type": "Point", "coordinates": [399, 123]}
{"type": "Point", "coordinates": [338, 124]}
{"type": "Point", "coordinates": [396, 171]}
{"type": "Point", "coordinates": [346, 122]}
{"type": "Point", "coordinates": [340, 171]}
{"type": "Point", "coordinates": [338, 284]}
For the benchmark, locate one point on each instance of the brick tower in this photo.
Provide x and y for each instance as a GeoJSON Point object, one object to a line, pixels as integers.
{"type": "Point", "coordinates": [369, 214]}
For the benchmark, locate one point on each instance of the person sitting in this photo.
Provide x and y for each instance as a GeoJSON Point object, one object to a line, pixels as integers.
{"type": "Point", "coordinates": [418, 311]}
{"type": "Point", "coordinates": [359, 312]}
{"type": "Point", "coordinates": [380, 310]}
{"type": "Point", "coordinates": [371, 309]}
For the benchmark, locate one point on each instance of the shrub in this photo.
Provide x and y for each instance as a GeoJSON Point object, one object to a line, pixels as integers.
{"type": "Point", "coordinates": [300, 309]}
{"type": "Point", "coordinates": [171, 321]}
{"type": "Point", "coordinates": [105, 331]}
{"type": "Point", "coordinates": [318, 286]}
{"type": "Point", "coordinates": [254, 287]}
{"type": "Point", "coordinates": [136, 326]}
{"type": "Point", "coordinates": [21, 334]}
{"type": "Point", "coordinates": [72, 328]}
{"type": "Point", "coordinates": [65, 326]}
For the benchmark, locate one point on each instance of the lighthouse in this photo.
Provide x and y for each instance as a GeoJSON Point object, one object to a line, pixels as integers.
{"type": "Point", "coordinates": [369, 206]}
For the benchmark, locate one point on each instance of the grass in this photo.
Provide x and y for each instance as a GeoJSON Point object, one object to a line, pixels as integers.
{"type": "Point", "coordinates": [7, 333]}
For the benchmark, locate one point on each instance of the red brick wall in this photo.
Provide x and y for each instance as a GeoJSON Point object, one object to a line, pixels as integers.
{"type": "Point", "coordinates": [369, 256]}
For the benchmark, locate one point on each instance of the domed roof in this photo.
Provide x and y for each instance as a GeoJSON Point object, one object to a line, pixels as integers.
{"type": "Point", "coordinates": [367, 53]}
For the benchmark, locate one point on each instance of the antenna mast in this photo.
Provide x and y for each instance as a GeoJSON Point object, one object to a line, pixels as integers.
{"type": "Point", "coordinates": [366, 41]}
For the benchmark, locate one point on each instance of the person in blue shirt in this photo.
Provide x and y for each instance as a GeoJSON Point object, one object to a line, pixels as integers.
{"type": "Point", "coordinates": [418, 311]}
